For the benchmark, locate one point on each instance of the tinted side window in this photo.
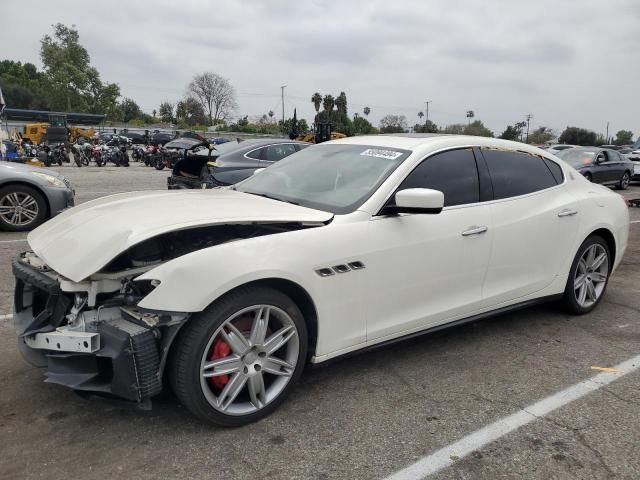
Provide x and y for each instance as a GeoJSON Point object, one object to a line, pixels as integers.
{"type": "Point", "coordinates": [613, 156]}
{"type": "Point", "coordinates": [257, 154]}
{"type": "Point", "coordinates": [279, 151]}
{"type": "Point", "coordinates": [556, 171]}
{"type": "Point", "coordinates": [454, 173]}
{"type": "Point", "coordinates": [514, 173]}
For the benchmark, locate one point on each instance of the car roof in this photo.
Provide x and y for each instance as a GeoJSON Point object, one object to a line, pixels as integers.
{"type": "Point", "coordinates": [436, 141]}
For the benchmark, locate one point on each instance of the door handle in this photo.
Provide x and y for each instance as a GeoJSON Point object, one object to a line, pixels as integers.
{"type": "Point", "coordinates": [474, 230]}
{"type": "Point", "coordinates": [567, 212]}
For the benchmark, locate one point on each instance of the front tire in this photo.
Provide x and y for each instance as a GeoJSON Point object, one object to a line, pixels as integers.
{"type": "Point", "coordinates": [21, 208]}
{"type": "Point", "coordinates": [588, 276]}
{"type": "Point", "coordinates": [236, 362]}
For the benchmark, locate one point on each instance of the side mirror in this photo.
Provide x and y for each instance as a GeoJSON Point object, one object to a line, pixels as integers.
{"type": "Point", "coordinates": [257, 170]}
{"type": "Point", "coordinates": [417, 200]}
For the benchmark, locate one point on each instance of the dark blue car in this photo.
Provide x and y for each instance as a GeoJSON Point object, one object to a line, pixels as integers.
{"type": "Point", "coordinates": [600, 165]}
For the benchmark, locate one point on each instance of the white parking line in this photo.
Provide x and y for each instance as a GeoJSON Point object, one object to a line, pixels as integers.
{"type": "Point", "coordinates": [448, 455]}
{"type": "Point", "coordinates": [14, 241]}
{"type": "Point", "coordinates": [6, 317]}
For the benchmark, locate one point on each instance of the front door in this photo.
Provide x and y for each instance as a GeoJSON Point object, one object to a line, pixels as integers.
{"type": "Point", "coordinates": [426, 269]}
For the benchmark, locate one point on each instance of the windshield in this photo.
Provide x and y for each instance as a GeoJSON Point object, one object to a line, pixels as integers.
{"type": "Point", "coordinates": [577, 158]}
{"type": "Point", "coordinates": [333, 178]}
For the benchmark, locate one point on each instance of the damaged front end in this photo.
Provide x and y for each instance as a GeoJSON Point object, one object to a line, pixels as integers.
{"type": "Point", "coordinates": [91, 335]}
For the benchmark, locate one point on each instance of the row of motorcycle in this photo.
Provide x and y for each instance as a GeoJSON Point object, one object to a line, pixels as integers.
{"type": "Point", "coordinates": [83, 153]}
{"type": "Point", "coordinates": [155, 156]}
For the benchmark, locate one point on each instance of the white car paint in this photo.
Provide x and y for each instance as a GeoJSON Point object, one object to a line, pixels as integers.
{"type": "Point", "coordinates": [420, 271]}
{"type": "Point", "coordinates": [97, 231]}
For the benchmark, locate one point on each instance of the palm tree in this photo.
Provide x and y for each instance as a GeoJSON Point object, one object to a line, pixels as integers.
{"type": "Point", "coordinates": [366, 111]}
{"type": "Point", "coordinates": [271, 114]}
{"type": "Point", "coordinates": [470, 115]}
{"type": "Point", "coordinates": [420, 115]}
{"type": "Point", "coordinates": [341, 103]}
{"type": "Point", "coordinates": [328, 103]}
{"type": "Point", "coordinates": [316, 99]}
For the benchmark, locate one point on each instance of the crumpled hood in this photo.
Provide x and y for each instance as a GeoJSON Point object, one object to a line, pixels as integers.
{"type": "Point", "coordinates": [82, 240]}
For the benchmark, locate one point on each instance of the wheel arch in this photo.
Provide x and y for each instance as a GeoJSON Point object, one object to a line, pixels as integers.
{"type": "Point", "coordinates": [35, 186]}
{"type": "Point", "coordinates": [298, 294]}
{"type": "Point", "coordinates": [609, 238]}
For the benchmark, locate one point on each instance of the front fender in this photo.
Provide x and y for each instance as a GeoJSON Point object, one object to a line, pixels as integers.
{"type": "Point", "coordinates": [192, 282]}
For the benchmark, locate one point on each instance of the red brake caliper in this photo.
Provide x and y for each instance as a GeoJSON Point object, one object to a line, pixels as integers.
{"type": "Point", "coordinates": [220, 350]}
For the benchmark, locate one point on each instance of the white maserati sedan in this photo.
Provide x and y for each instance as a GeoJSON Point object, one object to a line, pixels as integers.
{"type": "Point", "coordinates": [227, 294]}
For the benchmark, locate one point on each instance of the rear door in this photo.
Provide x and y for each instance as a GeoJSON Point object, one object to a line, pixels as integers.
{"type": "Point", "coordinates": [534, 219]}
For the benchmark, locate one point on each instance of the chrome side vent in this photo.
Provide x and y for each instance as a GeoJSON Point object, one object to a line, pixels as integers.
{"type": "Point", "coordinates": [356, 265]}
{"type": "Point", "coordinates": [325, 272]}
{"type": "Point", "coordinates": [341, 268]}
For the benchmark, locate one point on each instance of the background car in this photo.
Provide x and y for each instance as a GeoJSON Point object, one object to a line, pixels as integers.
{"type": "Point", "coordinates": [135, 138]}
{"type": "Point", "coordinates": [160, 138]}
{"type": "Point", "coordinates": [600, 165]}
{"type": "Point", "coordinates": [29, 196]}
{"type": "Point", "coordinates": [230, 162]}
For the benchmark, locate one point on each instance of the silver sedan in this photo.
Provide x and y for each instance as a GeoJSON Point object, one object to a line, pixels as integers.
{"type": "Point", "coordinates": [30, 195]}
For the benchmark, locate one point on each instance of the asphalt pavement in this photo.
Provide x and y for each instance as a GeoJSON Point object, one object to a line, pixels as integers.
{"type": "Point", "coordinates": [366, 417]}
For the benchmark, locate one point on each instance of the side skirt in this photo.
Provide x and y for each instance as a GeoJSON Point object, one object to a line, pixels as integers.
{"type": "Point", "coordinates": [462, 321]}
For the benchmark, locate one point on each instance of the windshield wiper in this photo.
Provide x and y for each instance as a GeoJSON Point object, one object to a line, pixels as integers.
{"type": "Point", "coordinates": [273, 198]}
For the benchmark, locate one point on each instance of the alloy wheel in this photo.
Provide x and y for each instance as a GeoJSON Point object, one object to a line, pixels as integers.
{"type": "Point", "coordinates": [18, 209]}
{"type": "Point", "coordinates": [624, 183]}
{"type": "Point", "coordinates": [591, 275]}
{"type": "Point", "coordinates": [249, 360]}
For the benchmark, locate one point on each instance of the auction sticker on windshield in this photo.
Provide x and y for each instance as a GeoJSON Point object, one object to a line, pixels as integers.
{"type": "Point", "coordinates": [375, 152]}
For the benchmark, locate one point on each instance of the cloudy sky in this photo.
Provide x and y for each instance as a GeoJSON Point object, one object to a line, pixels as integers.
{"type": "Point", "coordinates": [567, 62]}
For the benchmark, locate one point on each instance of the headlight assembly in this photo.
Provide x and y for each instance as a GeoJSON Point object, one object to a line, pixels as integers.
{"type": "Point", "coordinates": [50, 179]}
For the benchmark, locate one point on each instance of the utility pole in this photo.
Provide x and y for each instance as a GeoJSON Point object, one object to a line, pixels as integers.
{"type": "Point", "coordinates": [607, 132]}
{"type": "Point", "coordinates": [528, 117]}
{"type": "Point", "coordinates": [427, 102]}
{"type": "Point", "coordinates": [282, 90]}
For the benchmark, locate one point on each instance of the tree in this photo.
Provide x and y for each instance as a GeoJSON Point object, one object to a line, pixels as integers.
{"type": "Point", "coordinates": [624, 137]}
{"type": "Point", "coordinates": [420, 115]}
{"type": "Point", "coordinates": [477, 128]}
{"type": "Point", "coordinates": [470, 115]}
{"type": "Point", "coordinates": [166, 112]}
{"type": "Point", "coordinates": [271, 114]}
{"type": "Point", "coordinates": [393, 124]}
{"type": "Point", "coordinates": [215, 94]}
{"type": "Point", "coordinates": [153, 113]}
{"type": "Point", "coordinates": [23, 85]}
{"type": "Point", "coordinates": [72, 83]}
{"type": "Point", "coordinates": [510, 133]}
{"type": "Point", "coordinates": [427, 127]}
{"type": "Point", "coordinates": [190, 112]}
{"type": "Point", "coordinates": [577, 136]}
{"type": "Point", "coordinates": [541, 135]}
{"type": "Point", "coordinates": [328, 102]}
{"type": "Point", "coordinates": [361, 126]}
{"type": "Point", "coordinates": [341, 103]}
{"type": "Point", "coordinates": [130, 110]}
{"type": "Point", "coordinates": [366, 111]}
{"type": "Point", "coordinates": [316, 99]}
{"type": "Point", "coordinates": [456, 129]}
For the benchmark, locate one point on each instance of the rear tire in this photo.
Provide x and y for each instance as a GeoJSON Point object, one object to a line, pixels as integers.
{"type": "Point", "coordinates": [586, 285]}
{"type": "Point", "coordinates": [200, 337]}
{"type": "Point", "coordinates": [624, 181]}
